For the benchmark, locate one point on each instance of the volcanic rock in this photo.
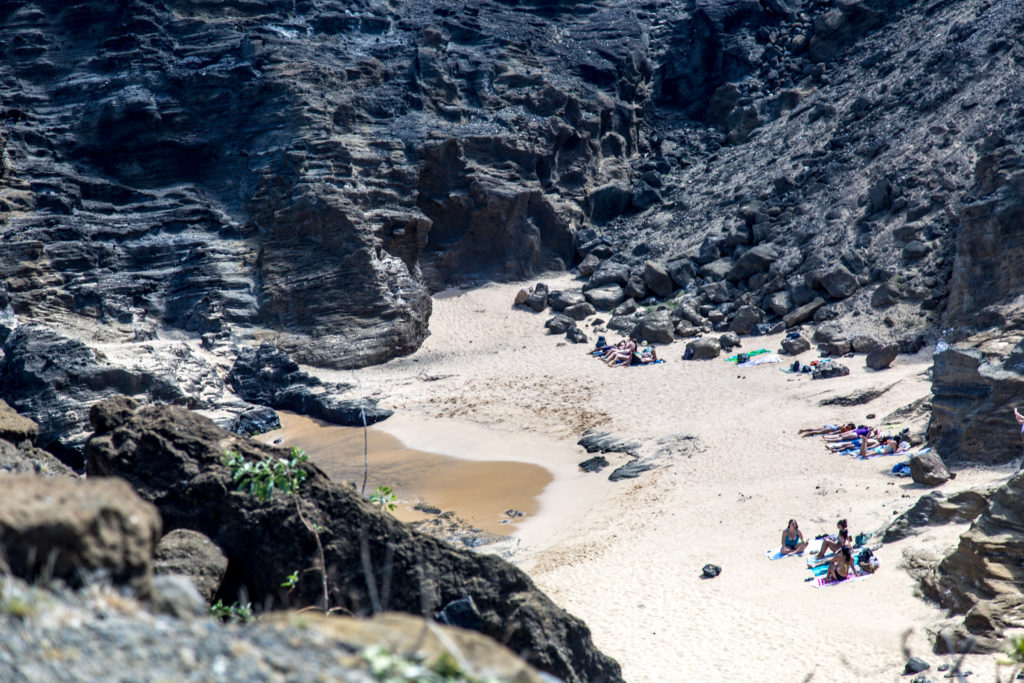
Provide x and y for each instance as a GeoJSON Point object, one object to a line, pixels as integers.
{"type": "Point", "coordinates": [882, 356]}
{"type": "Point", "coordinates": [190, 553]}
{"type": "Point", "coordinates": [928, 469]}
{"type": "Point", "coordinates": [657, 327]}
{"type": "Point", "coordinates": [77, 530]}
{"type": "Point", "coordinates": [704, 348]}
{"type": "Point", "coordinates": [173, 458]}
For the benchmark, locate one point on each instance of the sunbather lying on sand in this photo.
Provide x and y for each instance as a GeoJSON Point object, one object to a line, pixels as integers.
{"type": "Point", "coordinates": [864, 442]}
{"type": "Point", "coordinates": [792, 539]}
{"type": "Point", "coordinates": [827, 430]}
{"type": "Point", "coordinates": [851, 434]}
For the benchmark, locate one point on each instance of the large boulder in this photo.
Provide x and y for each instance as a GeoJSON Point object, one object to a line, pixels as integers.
{"type": "Point", "coordinates": [173, 458]}
{"type": "Point", "coordinates": [794, 346]}
{"type": "Point", "coordinates": [803, 313]}
{"type": "Point", "coordinates": [928, 469]}
{"type": "Point", "coordinates": [579, 311]}
{"type": "Point", "coordinates": [745, 319]}
{"type": "Point", "coordinates": [77, 530]}
{"type": "Point", "coordinates": [656, 277]}
{"type": "Point", "coordinates": [610, 272]}
{"type": "Point", "coordinates": [605, 298]}
{"type": "Point", "coordinates": [839, 282]}
{"type": "Point", "coordinates": [704, 348]}
{"type": "Point", "coordinates": [16, 428]}
{"type": "Point", "coordinates": [561, 300]}
{"type": "Point", "coordinates": [559, 324]}
{"type": "Point", "coordinates": [881, 356]}
{"type": "Point", "coordinates": [656, 327]}
{"type": "Point", "coordinates": [755, 260]}
{"type": "Point", "coordinates": [191, 554]}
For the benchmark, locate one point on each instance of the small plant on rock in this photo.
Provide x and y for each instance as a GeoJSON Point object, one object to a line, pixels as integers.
{"type": "Point", "coordinates": [261, 478]}
{"type": "Point", "coordinates": [384, 497]}
{"type": "Point", "coordinates": [238, 613]}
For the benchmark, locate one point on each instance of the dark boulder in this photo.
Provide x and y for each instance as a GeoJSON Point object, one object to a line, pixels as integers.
{"type": "Point", "coordinates": [608, 201]}
{"type": "Point", "coordinates": [559, 324]}
{"type": "Point", "coordinates": [656, 277]}
{"type": "Point", "coordinates": [610, 272]}
{"type": "Point", "coordinates": [745, 319]}
{"type": "Point", "coordinates": [635, 288]}
{"type": "Point", "coordinates": [885, 295]}
{"type": "Point", "coordinates": [794, 346]}
{"type": "Point", "coordinates": [928, 469]}
{"type": "Point", "coordinates": [579, 311]}
{"type": "Point", "coordinates": [173, 458]}
{"type": "Point", "coordinates": [682, 272]}
{"type": "Point", "coordinates": [605, 298]}
{"type": "Point", "coordinates": [882, 356]}
{"type": "Point", "coordinates": [191, 554]}
{"type": "Point", "coordinates": [755, 260]}
{"type": "Point", "coordinates": [803, 313]}
{"type": "Point", "coordinates": [839, 282]}
{"type": "Point", "coordinates": [627, 307]}
{"type": "Point", "coordinates": [596, 441]}
{"type": "Point", "coordinates": [862, 343]}
{"type": "Point", "coordinates": [656, 327]}
{"type": "Point", "coordinates": [575, 335]}
{"type": "Point", "coordinates": [588, 265]}
{"type": "Point", "coordinates": [716, 270]}
{"type": "Point", "coordinates": [779, 303]}
{"type": "Point", "coordinates": [836, 347]}
{"type": "Point", "coordinates": [537, 301]}
{"type": "Point", "coordinates": [559, 301]}
{"type": "Point", "coordinates": [704, 348]}
{"type": "Point", "coordinates": [729, 341]}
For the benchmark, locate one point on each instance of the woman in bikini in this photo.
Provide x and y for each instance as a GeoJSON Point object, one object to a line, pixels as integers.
{"type": "Point", "coordinates": [841, 565]}
{"type": "Point", "coordinates": [836, 542]}
{"type": "Point", "coordinates": [827, 430]}
{"type": "Point", "coordinates": [792, 539]}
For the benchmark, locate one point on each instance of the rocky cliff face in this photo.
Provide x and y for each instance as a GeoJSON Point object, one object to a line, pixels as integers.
{"type": "Point", "coordinates": [979, 583]}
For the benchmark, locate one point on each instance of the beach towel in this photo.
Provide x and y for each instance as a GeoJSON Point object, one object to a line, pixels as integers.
{"type": "Point", "coordinates": [821, 582]}
{"type": "Point", "coordinates": [748, 354]}
{"type": "Point", "coordinates": [761, 360]}
{"type": "Point", "coordinates": [774, 554]}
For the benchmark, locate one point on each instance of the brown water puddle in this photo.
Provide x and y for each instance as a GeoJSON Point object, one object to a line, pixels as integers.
{"type": "Point", "coordinates": [478, 491]}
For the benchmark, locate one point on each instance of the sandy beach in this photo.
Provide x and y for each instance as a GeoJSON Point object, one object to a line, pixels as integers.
{"type": "Point", "coordinates": [626, 557]}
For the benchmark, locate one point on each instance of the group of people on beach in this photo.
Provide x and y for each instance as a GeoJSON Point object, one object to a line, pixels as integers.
{"type": "Point", "coordinates": [861, 440]}
{"type": "Point", "coordinates": [626, 352]}
{"type": "Point", "coordinates": [840, 546]}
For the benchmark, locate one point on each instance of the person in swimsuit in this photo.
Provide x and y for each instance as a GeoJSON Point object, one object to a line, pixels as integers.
{"type": "Point", "coordinates": [792, 539]}
{"type": "Point", "coordinates": [834, 543]}
{"type": "Point", "coordinates": [841, 565]}
{"type": "Point", "coordinates": [827, 430]}
{"type": "Point", "coordinates": [852, 434]}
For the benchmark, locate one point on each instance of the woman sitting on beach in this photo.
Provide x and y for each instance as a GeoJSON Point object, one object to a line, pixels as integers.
{"type": "Point", "coordinates": [841, 565]}
{"type": "Point", "coordinates": [644, 355]}
{"type": "Point", "coordinates": [792, 539]}
{"type": "Point", "coordinates": [827, 430]}
{"type": "Point", "coordinates": [834, 543]}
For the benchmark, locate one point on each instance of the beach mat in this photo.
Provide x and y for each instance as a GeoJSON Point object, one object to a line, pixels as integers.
{"type": "Point", "coordinates": [820, 582]}
{"type": "Point", "coordinates": [773, 554]}
{"type": "Point", "coordinates": [761, 360]}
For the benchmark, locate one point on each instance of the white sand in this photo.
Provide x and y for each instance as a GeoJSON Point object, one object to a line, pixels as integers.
{"type": "Point", "coordinates": [626, 557]}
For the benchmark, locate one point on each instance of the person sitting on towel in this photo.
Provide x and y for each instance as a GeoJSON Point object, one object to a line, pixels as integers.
{"type": "Point", "coordinates": [834, 543]}
{"type": "Point", "coordinates": [622, 356]}
{"type": "Point", "coordinates": [841, 565]}
{"type": "Point", "coordinates": [792, 539]}
{"type": "Point", "coordinates": [644, 355]}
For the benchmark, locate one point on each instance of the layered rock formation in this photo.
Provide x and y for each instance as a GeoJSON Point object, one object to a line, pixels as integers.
{"type": "Point", "coordinates": [172, 457]}
{"type": "Point", "coordinates": [981, 580]}
{"type": "Point", "coordinates": [972, 407]}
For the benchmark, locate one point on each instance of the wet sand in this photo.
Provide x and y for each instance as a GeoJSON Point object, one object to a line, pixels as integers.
{"type": "Point", "coordinates": [479, 490]}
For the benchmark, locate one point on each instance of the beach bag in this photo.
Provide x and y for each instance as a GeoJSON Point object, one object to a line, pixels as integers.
{"type": "Point", "coordinates": [742, 358]}
{"type": "Point", "coordinates": [867, 561]}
